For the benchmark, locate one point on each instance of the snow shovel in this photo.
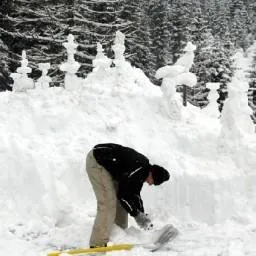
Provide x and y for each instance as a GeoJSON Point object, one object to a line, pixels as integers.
{"type": "Point", "coordinates": [166, 234]}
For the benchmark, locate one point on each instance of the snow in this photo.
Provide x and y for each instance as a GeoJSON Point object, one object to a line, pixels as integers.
{"type": "Point", "coordinates": [46, 200]}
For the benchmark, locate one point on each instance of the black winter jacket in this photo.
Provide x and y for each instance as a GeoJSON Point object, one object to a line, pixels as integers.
{"type": "Point", "coordinates": [129, 168]}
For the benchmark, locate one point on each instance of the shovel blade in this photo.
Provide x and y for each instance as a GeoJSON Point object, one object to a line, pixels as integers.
{"type": "Point", "coordinates": [168, 233]}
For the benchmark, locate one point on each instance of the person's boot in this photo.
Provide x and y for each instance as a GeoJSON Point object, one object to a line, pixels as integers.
{"type": "Point", "coordinates": [97, 246]}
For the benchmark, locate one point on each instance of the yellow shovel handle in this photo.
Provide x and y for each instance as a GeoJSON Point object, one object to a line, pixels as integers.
{"type": "Point", "coordinates": [116, 247]}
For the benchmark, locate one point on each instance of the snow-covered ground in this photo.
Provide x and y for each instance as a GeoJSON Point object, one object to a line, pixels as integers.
{"type": "Point", "coordinates": [47, 203]}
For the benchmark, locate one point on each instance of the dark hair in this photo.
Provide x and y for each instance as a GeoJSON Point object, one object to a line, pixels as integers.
{"type": "Point", "coordinates": [159, 174]}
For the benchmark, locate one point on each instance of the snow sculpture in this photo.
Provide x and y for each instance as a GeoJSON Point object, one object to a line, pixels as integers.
{"type": "Point", "coordinates": [101, 74]}
{"type": "Point", "coordinates": [44, 80]}
{"type": "Point", "coordinates": [71, 81]}
{"type": "Point", "coordinates": [236, 121]}
{"type": "Point", "coordinates": [235, 118]}
{"type": "Point", "coordinates": [172, 101]}
{"type": "Point", "coordinates": [101, 63]}
{"type": "Point", "coordinates": [126, 78]}
{"type": "Point", "coordinates": [178, 74]}
{"type": "Point", "coordinates": [21, 80]}
{"type": "Point", "coordinates": [123, 69]}
{"type": "Point", "coordinates": [119, 49]}
{"type": "Point", "coordinates": [212, 108]}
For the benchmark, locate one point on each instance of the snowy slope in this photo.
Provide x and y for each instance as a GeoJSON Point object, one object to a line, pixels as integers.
{"type": "Point", "coordinates": [46, 201]}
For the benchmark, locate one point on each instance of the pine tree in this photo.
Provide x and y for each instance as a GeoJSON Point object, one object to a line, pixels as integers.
{"type": "Point", "coordinates": [218, 13]}
{"type": "Point", "coordinates": [239, 24]}
{"type": "Point", "coordinates": [138, 38]}
{"type": "Point", "coordinates": [221, 67]}
{"type": "Point", "coordinates": [40, 27]}
{"type": "Point", "coordinates": [160, 32]}
{"type": "Point", "coordinates": [179, 17]}
{"type": "Point", "coordinates": [251, 7]}
{"type": "Point", "coordinates": [202, 38]}
{"type": "Point", "coordinates": [4, 74]}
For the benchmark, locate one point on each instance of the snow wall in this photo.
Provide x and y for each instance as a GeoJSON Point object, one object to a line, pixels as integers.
{"type": "Point", "coordinates": [45, 136]}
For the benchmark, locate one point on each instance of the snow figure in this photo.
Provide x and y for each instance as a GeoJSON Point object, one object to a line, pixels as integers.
{"type": "Point", "coordinates": [101, 62]}
{"type": "Point", "coordinates": [44, 80]}
{"type": "Point", "coordinates": [21, 80]}
{"type": "Point", "coordinates": [212, 108]}
{"type": "Point", "coordinates": [100, 78]}
{"type": "Point", "coordinates": [236, 121]}
{"type": "Point", "coordinates": [230, 128]}
{"type": "Point", "coordinates": [235, 118]}
{"type": "Point", "coordinates": [71, 81]}
{"type": "Point", "coordinates": [178, 74]}
{"type": "Point", "coordinates": [187, 59]}
{"type": "Point", "coordinates": [172, 100]}
{"type": "Point", "coordinates": [119, 49]}
{"type": "Point", "coordinates": [123, 70]}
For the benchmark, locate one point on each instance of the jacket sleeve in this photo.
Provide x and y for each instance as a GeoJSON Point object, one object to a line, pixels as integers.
{"type": "Point", "coordinates": [129, 191]}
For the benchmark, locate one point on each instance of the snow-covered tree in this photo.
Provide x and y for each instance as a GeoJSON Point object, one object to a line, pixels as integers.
{"type": "Point", "coordinates": [252, 89]}
{"type": "Point", "coordinates": [202, 37]}
{"type": "Point", "coordinates": [239, 24]}
{"type": "Point", "coordinates": [179, 17]}
{"type": "Point", "coordinates": [138, 39]}
{"type": "Point", "coordinates": [252, 16]}
{"type": "Point", "coordinates": [4, 74]}
{"type": "Point", "coordinates": [160, 31]}
{"type": "Point", "coordinates": [221, 68]}
{"type": "Point", "coordinates": [218, 17]}
{"type": "Point", "coordinates": [40, 27]}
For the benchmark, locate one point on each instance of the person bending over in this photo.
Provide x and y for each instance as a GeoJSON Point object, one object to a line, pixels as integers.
{"type": "Point", "coordinates": [117, 174]}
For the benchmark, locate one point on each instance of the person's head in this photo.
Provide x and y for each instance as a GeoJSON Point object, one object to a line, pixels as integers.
{"type": "Point", "coordinates": [157, 175]}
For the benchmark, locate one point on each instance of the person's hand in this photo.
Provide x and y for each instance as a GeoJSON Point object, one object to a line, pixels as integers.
{"type": "Point", "coordinates": [143, 221]}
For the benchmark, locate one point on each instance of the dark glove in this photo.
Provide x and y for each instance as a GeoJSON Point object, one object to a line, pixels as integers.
{"type": "Point", "coordinates": [143, 221]}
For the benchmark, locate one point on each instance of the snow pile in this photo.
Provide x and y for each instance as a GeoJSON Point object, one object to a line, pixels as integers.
{"type": "Point", "coordinates": [47, 202]}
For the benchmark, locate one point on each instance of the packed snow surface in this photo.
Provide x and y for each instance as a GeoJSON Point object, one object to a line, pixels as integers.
{"type": "Point", "coordinates": [46, 200]}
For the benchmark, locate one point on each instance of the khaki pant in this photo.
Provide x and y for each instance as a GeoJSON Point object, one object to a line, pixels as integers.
{"type": "Point", "coordinates": [109, 210]}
